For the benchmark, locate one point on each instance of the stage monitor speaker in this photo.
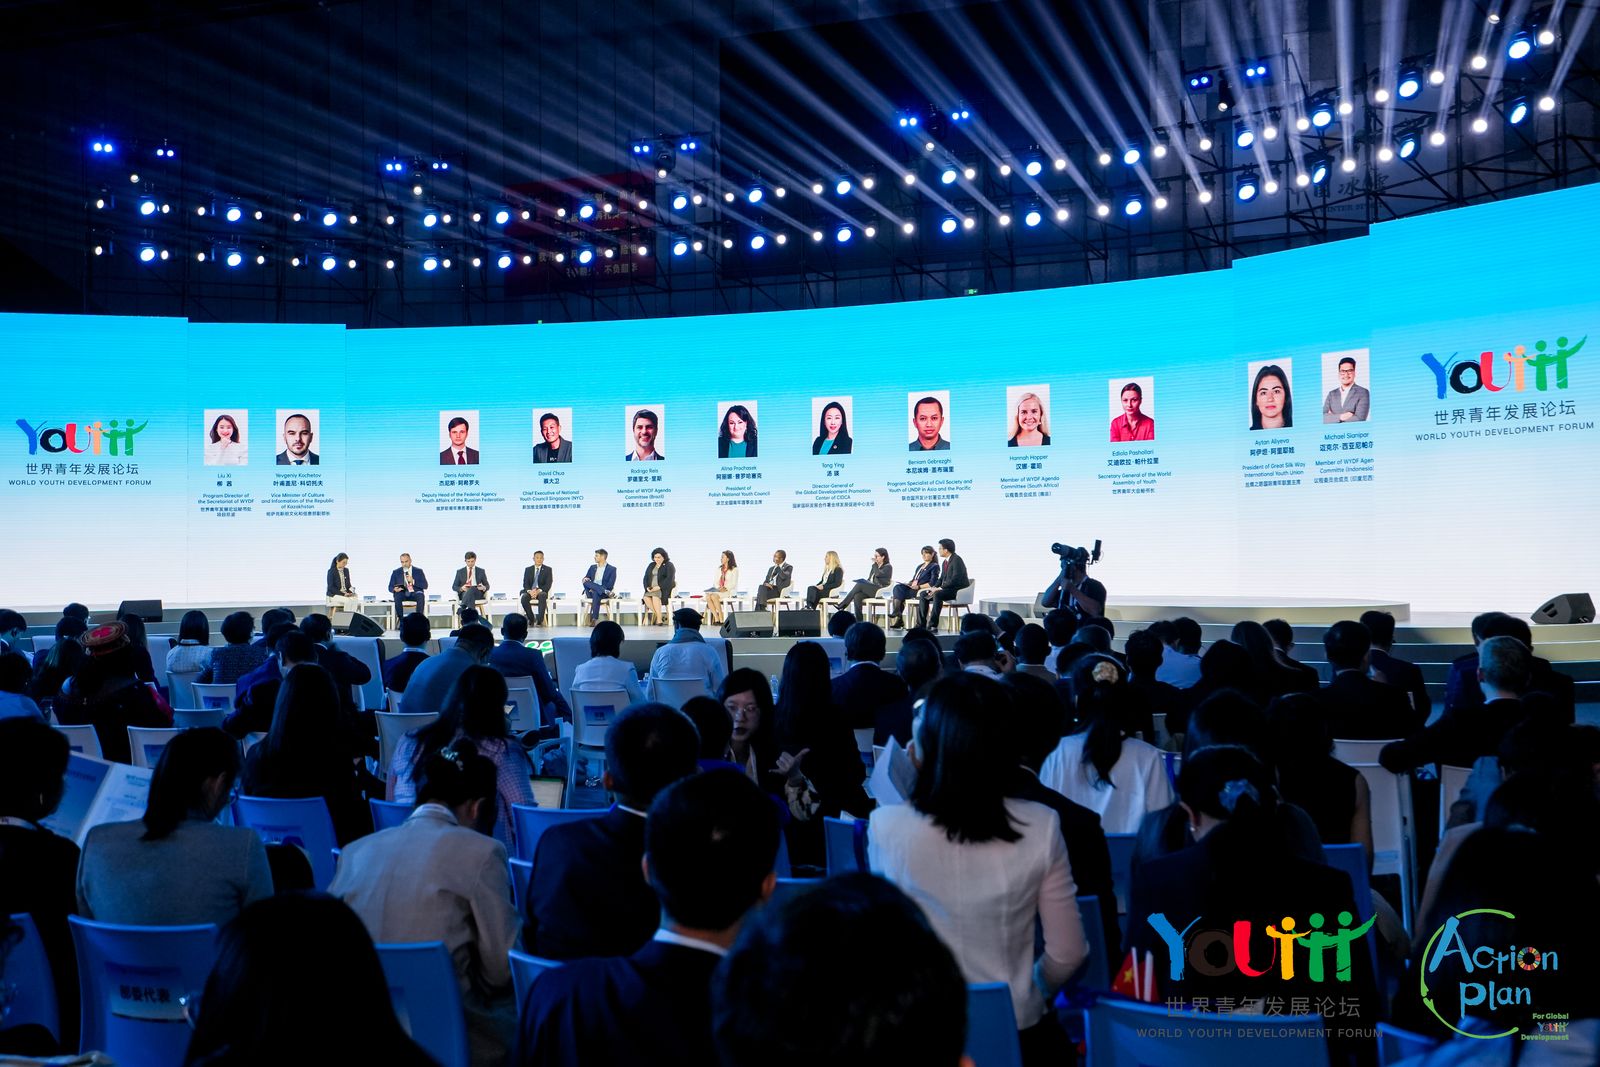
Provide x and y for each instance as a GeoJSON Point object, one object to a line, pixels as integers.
{"type": "Point", "coordinates": [1568, 607]}
{"type": "Point", "coordinates": [747, 624]}
{"type": "Point", "coordinates": [799, 624]}
{"type": "Point", "coordinates": [148, 610]}
{"type": "Point", "coordinates": [351, 624]}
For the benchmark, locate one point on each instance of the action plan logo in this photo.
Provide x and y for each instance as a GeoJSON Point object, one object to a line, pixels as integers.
{"type": "Point", "coordinates": [1495, 982]}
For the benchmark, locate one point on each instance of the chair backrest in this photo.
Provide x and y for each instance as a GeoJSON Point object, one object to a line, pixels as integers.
{"type": "Point", "coordinates": [1393, 844]}
{"type": "Point", "coordinates": [1126, 1033]}
{"type": "Point", "coordinates": [392, 726]}
{"type": "Point", "coordinates": [675, 692]}
{"type": "Point", "coordinates": [992, 1026]}
{"type": "Point", "coordinates": [593, 711]}
{"type": "Point", "coordinates": [180, 689]}
{"type": "Point", "coordinates": [1158, 727]}
{"type": "Point", "coordinates": [82, 739]}
{"type": "Point", "coordinates": [146, 742]}
{"type": "Point", "coordinates": [524, 969]}
{"type": "Point", "coordinates": [788, 888]}
{"type": "Point", "coordinates": [427, 1000]}
{"type": "Point", "coordinates": [1173, 761]}
{"type": "Point", "coordinates": [1395, 1044]}
{"type": "Point", "coordinates": [570, 653]}
{"type": "Point", "coordinates": [1352, 860]}
{"type": "Point", "coordinates": [391, 701]}
{"type": "Point", "coordinates": [213, 695]}
{"type": "Point", "coordinates": [365, 649]}
{"type": "Point", "coordinates": [525, 706]}
{"type": "Point", "coordinates": [446, 642]}
{"type": "Point", "coordinates": [1451, 780]}
{"type": "Point", "coordinates": [192, 720]}
{"type": "Point", "coordinates": [132, 981]}
{"type": "Point", "coordinates": [303, 821]}
{"type": "Point", "coordinates": [42, 643]}
{"type": "Point", "coordinates": [521, 876]}
{"type": "Point", "coordinates": [845, 842]}
{"type": "Point", "coordinates": [387, 814]}
{"type": "Point", "coordinates": [1096, 971]}
{"type": "Point", "coordinates": [864, 741]}
{"type": "Point", "coordinates": [528, 824]}
{"type": "Point", "coordinates": [1121, 849]}
{"type": "Point", "coordinates": [967, 595]}
{"type": "Point", "coordinates": [1351, 751]}
{"type": "Point", "coordinates": [26, 969]}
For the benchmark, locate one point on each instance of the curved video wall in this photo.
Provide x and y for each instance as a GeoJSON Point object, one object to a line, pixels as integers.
{"type": "Point", "coordinates": [1410, 415]}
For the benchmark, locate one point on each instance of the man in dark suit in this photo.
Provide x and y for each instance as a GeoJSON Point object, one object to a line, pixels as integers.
{"type": "Point", "coordinates": [598, 581]}
{"type": "Point", "coordinates": [514, 659]}
{"type": "Point", "coordinates": [458, 454]}
{"type": "Point", "coordinates": [1390, 668]}
{"type": "Point", "coordinates": [297, 443]}
{"type": "Point", "coordinates": [870, 697]}
{"type": "Point", "coordinates": [348, 672]}
{"type": "Point", "coordinates": [588, 896]}
{"type": "Point", "coordinates": [1465, 732]}
{"type": "Point", "coordinates": [257, 692]}
{"type": "Point", "coordinates": [408, 583]}
{"type": "Point", "coordinates": [709, 845]}
{"type": "Point", "coordinates": [1357, 707]}
{"type": "Point", "coordinates": [778, 578]}
{"type": "Point", "coordinates": [536, 582]}
{"type": "Point", "coordinates": [414, 634]}
{"type": "Point", "coordinates": [952, 579]}
{"type": "Point", "coordinates": [472, 582]}
{"type": "Point", "coordinates": [879, 578]}
{"type": "Point", "coordinates": [1462, 689]}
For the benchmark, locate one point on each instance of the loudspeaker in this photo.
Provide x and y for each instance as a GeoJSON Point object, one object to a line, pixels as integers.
{"type": "Point", "coordinates": [799, 624]}
{"type": "Point", "coordinates": [747, 624]}
{"type": "Point", "coordinates": [350, 624]}
{"type": "Point", "coordinates": [1568, 607]}
{"type": "Point", "coordinates": [148, 610]}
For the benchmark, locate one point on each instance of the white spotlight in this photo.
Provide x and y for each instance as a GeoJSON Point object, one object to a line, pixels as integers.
{"type": "Point", "coordinates": [1436, 76]}
{"type": "Point", "coordinates": [1547, 103]}
{"type": "Point", "coordinates": [1062, 214]}
{"type": "Point", "coordinates": [908, 228]}
{"type": "Point", "coordinates": [909, 178]}
{"type": "Point", "coordinates": [1105, 158]}
{"type": "Point", "coordinates": [1385, 154]}
{"type": "Point", "coordinates": [1479, 62]}
{"type": "Point", "coordinates": [1270, 132]}
{"type": "Point", "coordinates": [816, 188]}
{"type": "Point", "coordinates": [1161, 203]}
{"type": "Point", "coordinates": [1205, 144]}
{"type": "Point", "coordinates": [1061, 164]}
{"type": "Point", "coordinates": [1205, 196]}
{"type": "Point", "coordinates": [1102, 210]}
{"type": "Point", "coordinates": [1004, 219]}
{"type": "Point", "coordinates": [1380, 95]}
{"type": "Point", "coordinates": [1480, 125]}
{"type": "Point", "coordinates": [1348, 164]}
{"type": "Point", "coordinates": [1436, 138]}
{"type": "Point", "coordinates": [1270, 186]}
{"type": "Point", "coordinates": [1005, 170]}
{"type": "Point", "coordinates": [969, 174]}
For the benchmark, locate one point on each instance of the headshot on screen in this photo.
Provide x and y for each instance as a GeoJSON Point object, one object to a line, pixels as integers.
{"type": "Point", "coordinates": [225, 440]}
{"type": "Point", "coordinates": [298, 437]}
{"type": "Point", "coordinates": [1271, 404]}
{"type": "Point", "coordinates": [930, 423]}
{"type": "Point", "coordinates": [552, 435]}
{"type": "Point", "coordinates": [832, 416]}
{"type": "Point", "coordinates": [1133, 402]}
{"type": "Point", "coordinates": [459, 436]}
{"type": "Point", "coordinates": [1344, 382]}
{"type": "Point", "coordinates": [645, 429]}
{"type": "Point", "coordinates": [736, 431]}
{"type": "Point", "coordinates": [1028, 416]}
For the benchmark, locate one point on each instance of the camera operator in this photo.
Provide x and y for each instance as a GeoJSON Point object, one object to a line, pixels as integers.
{"type": "Point", "coordinates": [1073, 590]}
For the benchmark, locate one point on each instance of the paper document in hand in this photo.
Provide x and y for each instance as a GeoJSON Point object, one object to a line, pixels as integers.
{"type": "Point", "coordinates": [97, 792]}
{"type": "Point", "coordinates": [893, 775]}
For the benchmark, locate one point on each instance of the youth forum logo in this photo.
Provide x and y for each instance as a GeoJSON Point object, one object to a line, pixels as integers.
{"type": "Point", "coordinates": [1467, 374]}
{"type": "Point", "coordinates": [113, 438]}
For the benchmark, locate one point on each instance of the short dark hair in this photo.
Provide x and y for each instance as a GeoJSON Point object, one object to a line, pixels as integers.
{"type": "Point", "coordinates": [602, 552]}
{"type": "Point", "coordinates": [415, 630]}
{"type": "Point", "coordinates": [1132, 387]}
{"type": "Point", "coordinates": [687, 619]}
{"type": "Point", "coordinates": [918, 663]}
{"type": "Point", "coordinates": [1346, 642]}
{"type": "Point", "coordinates": [605, 639]}
{"type": "Point", "coordinates": [649, 747]}
{"type": "Point", "coordinates": [1032, 643]}
{"type": "Point", "coordinates": [849, 973]}
{"type": "Point", "coordinates": [1187, 635]}
{"type": "Point", "coordinates": [1347, 359]}
{"type": "Point", "coordinates": [33, 767]}
{"type": "Point", "coordinates": [1282, 633]}
{"type": "Point", "coordinates": [1506, 663]}
{"type": "Point", "coordinates": [714, 724]}
{"type": "Point", "coordinates": [469, 554]}
{"type": "Point", "coordinates": [839, 623]}
{"type": "Point", "coordinates": [318, 627]}
{"type": "Point", "coordinates": [296, 646]}
{"type": "Point", "coordinates": [975, 647]}
{"type": "Point", "coordinates": [468, 616]}
{"type": "Point", "coordinates": [11, 620]}
{"type": "Point", "coordinates": [75, 610]}
{"type": "Point", "coordinates": [273, 616]}
{"type": "Point", "coordinates": [549, 416]}
{"type": "Point", "coordinates": [1144, 653]}
{"type": "Point", "coordinates": [947, 544]}
{"type": "Point", "coordinates": [456, 774]}
{"type": "Point", "coordinates": [238, 628]}
{"type": "Point", "coordinates": [1060, 624]}
{"type": "Point", "coordinates": [70, 627]}
{"type": "Point", "coordinates": [977, 620]}
{"type": "Point", "coordinates": [458, 421]}
{"type": "Point", "coordinates": [1380, 625]}
{"type": "Point", "coordinates": [476, 633]}
{"type": "Point", "coordinates": [647, 415]}
{"type": "Point", "coordinates": [935, 401]}
{"type": "Point", "coordinates": [15, 673]}
{"type": "Point", "coordinates": [967, 763]}
{"type": "Point", "coordinates": [1499, 624]}
{"type": "Point", "coordinates": [865, 642]}
{"type": "Point", "coordinates": [711, 841]}
{"type": "Point", "coordinates": [515, 628]}
{"type": "Point", "coordinates": [177, 784]}
{"type": "Point", "coordinates": [1038, 718]}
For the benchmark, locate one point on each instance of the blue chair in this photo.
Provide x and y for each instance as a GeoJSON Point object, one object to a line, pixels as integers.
{"type": "Point", "coordinates": [1395, 1044]}
{"type": "Point", "coordinates": [780, 865]}
{"type": "Point", "coordinates": [992, 1026]}
{"type": "Point", "coordinates": [788, 888]}
{"type": "Point", "coordinates": [303, 822]}
{"type": "Point", "coordinates": [530, 823]}
{"type": "Point", "coordinates": [132, 981]}
{"type": "Point", "coordinates": [524, 969]}
{"type": "Point", "coordinates": [27, 970]}
{"type": "Point", "coordinates": [1173, 761]}
{"type": "Point", "coordinates": [387, 814]}
{"type": "Point", "coordinates": [1121, 848]}
{"type": "Point", "coordinates": [846, 844]}
{"type": "Point", "coordinates": [1096, 972]}
{"type": "Point", "coordinates": [427, 999]}
{"type": "Point", "coordinates": [1352, 860]}
{"type": "Point", "coordinates": [1126, 1033]}
{"type": "Point", "coordinates": [521, 875]}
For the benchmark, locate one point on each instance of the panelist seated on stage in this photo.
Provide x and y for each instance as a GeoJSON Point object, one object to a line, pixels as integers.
{"type": "Point", "coordinates": [458, 454]}
{"type": "Point", "coordinates": [536, 582]}
{"type": "Point", "coordinates": [880, 577]}
{"type": "Point", "coordinates": [408, 584]}
{"type": "Point", "coordinates": [598, 582]}
{"type": "Point", "coordinates": [554, 448]}
{"type": "Point", "coordinates": [340, 588]}
{"type": "Point", "coordinates": [471, 583]}
{"type": "Point", "coordinates": [832, 578]}
{"type": "Point", "coordinates": [952, 579]}
{"type": "Point", "coordinates": [779, 577]}
{"type": "Point", "coordinates": [926, 574]}
{"type": "Point", "coordinates": [660, 579]}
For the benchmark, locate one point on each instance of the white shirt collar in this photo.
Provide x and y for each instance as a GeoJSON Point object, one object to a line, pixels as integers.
{"type": "Point", "coordinates": [672, 937]}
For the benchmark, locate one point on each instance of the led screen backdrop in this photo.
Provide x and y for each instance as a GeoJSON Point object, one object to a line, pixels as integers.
{"type": "Point", "coordinates": [1410, 415]}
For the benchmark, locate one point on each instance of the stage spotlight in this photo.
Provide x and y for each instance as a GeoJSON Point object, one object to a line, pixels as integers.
{"type": "Point", "coordinates": [843, 234]}
{"type": "Point", "coordinates": [1224, 97]}
{"type": "Point", "coordinates": [1243, 135]}
{"type": "Point", "coordinates": [948, 175]}
{"type": "Point", "coordinates": [1519, 46]}
{"type": "Point", "coordinates": [842, 187]}
{"type": "Point", "coordinates": [1410, 83]}
{"type": "Point", "coordinates": [948, 224]}
{"type": "Point", "coordinates": [1547, 103]}
{"type": "Point", "coordinates": [330, 218]}
{"type": "Point", "coordinates": [1517, 111]}
{"type": "Point", "coordinates": [1133, 206]}
{"type": "Point", "coordinates": [1033, 167]}
{"type": "Point", "coordinates": [1407, 146]}
{"type": "Point", "coordinates": [416, 190]}
{"type": "Point", "coordinates": [755, 194]}
{"type": "Point", "coordinates": [1479, 61]}
{"type": "Point", "coordinates": [1257, 72]}
{"type": "Point", "coordinates": [909, 178]}
{"type": "Point", "coordinates": [1200, 82]}
{"type": "Point", "coordinates": [1131, 155]}
{"type": "Point", "coordinates": [1102, 209]}
{"type": "Point", "coordinates": [1270, 186]}
{"type": "Point", "coordinates": [233, 257]}
{"type": "Point", "coordinates": [1436, 138]}
{"type": "Point", "coordinates": [1032, 217]}
{"type": "Point", "coordinates": [1004, 219]}
{"type": "Point", "coordinates": [1436, 76]}
{"type": "Point", "coordinates": [1348, 164]}
{"type": "Point", "coordinates": [1205, 195]}
{"type": "Point", "coordinates": [586, 210]}
{"type": "Point", "coordinates": [1204, 144]}
{"type": "Point", "coordinates": [1480, 125]}
{"type": "Point", "coordinates": [1321, 111]}
{"type": "Point", "coordinates": [1385, 154]}
{"type": "Point", "coordinates": [147, 253]}
{"type": "Point", "coordinates": [440, 164]}
{"type": "Point", "coordinates": [585, 255]}
{"type": "Point", "coordinates": [1380, 95]}
{"type": "Point", "coordinates": [1249, 185]}
{"type": "Point", "coordinates": [430, 262]}
{"type": "Point", "coordinates": [1160, 203]}
{"type": "Point", "coordinates": [502, 215]}
{"type": "Point", "coordinates": [816, 188]}
{"type": "Point", "coordinates": [147, 206]}
{"type": "Point", "coordinates": [1159, 149]}
{"type": "Point", "coordinates": [970, 173]}
{"type": "Point", "coordinates": [680, 247]}
{"type": "Point", "coordinates": [503, 260]}
{"type": "Point", "coordinates": [1062, 214]}
{"type": "Point", "coordinates": [1104, 159]}
{"type": "Point", "coordinates": [870, 232]}
{"type": "Point", "coordinates": [103, 147]}
{"type": "Point", "coordinates": [1316, 170]}
{"type": "Point", "coordinates": [908, 228]}
{"type": "Point", "coordinates": [967, 223]}
{"type": "Point", "coordinates": [757, 242]}
{"type": "Point", "coordinates": [329, 261]}
{"type": "Point", "coordinates": [680, 201]}
{"type": "Point", "coordinates": [816, 235]}
{"type": "Point", "coordinates": [1546, 37]}
{"type": "Point", "coordinates": [233, 213]}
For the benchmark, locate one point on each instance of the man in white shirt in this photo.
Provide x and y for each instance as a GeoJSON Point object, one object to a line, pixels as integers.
{"type": "Point", "coordinates": [688, 655]}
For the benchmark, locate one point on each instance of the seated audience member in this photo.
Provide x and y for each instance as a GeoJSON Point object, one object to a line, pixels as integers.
{"type": "Point", "coordinates": [430, 684]}
{"type": "Point", "coordinates": [919, 664]}
{"type": "Point", "coordinates": [818, 771]}
{"type": "Point", "coordinates": [1534, 745]}
{"type": "Point", "coordinates": [39, 869]}
{"type": "Point", "coordinates": [715, 726]}
{"type": "Point", "coordinates": [514, 659]}
{"type": "Point", "coordinates": [15, 703]}
{"type": "Point", "coordinates": [1180, 664]}
{"type": "Point", "coordinates": [688, 655]}
{"type": "Point", "coordinates": [1036, 717]}
{"type": "Point", "coordinates": [13, 631]}
{"type": "Point", "coordinates": [1466, 732]}
{"type": "Point", "coordinates": [271, 619]}
{"type": "Point", "coordinates": [236, 657]}
{"type": "Point", "coordinates": [1060, 626]}
{"type": "Point", "coordinates": [192, 653]}
{"type": "Point", "coordinates": [310, 752]}
{"type": "Point", "coordinates": [76, 611]}
{"type": "Point", "coordinates": [753, 746]}
{"type": "Point", "coordinates": [258, 691]}
{"type": "Point", "coordinates": [1387, 667]}
{"type": "Point", "coordinates": [106, 694]}
{"type": "Point", "coordinates": [1300, 749]}
{"type": "Point", "coordinates": [977, 622]}
{"type": "Point", "coordinates": [348, 672]}
{"type": "Point", "coordinates": [466, 617]}
{"type": "Point", "coordinates": [440, 876]}
{"type": "Point", "coordinates": [590, 898]}
{"type": "Point", "coordinates": [1462, 685]}
{"type": "Point", "coordinates": [839, 623]}
{"type": "Point", "coordinates": [476, 712]}
{"type": "Point", "coordinates": [53, 669]}
{"type": "Point", "coordinates": [978, 652]}
{"type": "Point", "coordinates": [293, 965]}
{"type": "Point", "coordinates": [1271, 679]}
{"type": "Point", "coordinates": [415, 633]}
{"type": "Point", "coordinates": [1007, 625]}
{"type": "Point", "coordinates": [177, 866]}
{"type": "Point", "coordinates": [1031, 646]}
{"type": "Point", "coordinates": [985, 868]}
{"type": "Point", "coordinates": [604, 669]}
{"type": "Point", "coordinates": [869, 697]}
{"type": "Point", "coordinates": [849, 975]}
{"type": "Point", "coordinates": [1239, 871]}
{"type": "Point", "coordinates": [1144, 653]}
{"type": "Point", "coordinates": [1225, 667]}
{"type": "Point", "coordinates": [1099, 765]}
{"type": "Point", "coordinates": [1282, 636]}
{"type": "Point", "coordinates": [1356, 706]}
{"type": "Point", "coordinates": [710, 840]}
{"type": "Point", "coordinates": [139, 644]}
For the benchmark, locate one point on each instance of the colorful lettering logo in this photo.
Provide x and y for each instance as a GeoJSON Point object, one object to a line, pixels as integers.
{"type": "Point", "coordinates": [1476, 963]}
{"type": "Point", "coordinates": [1195, 948]}
{"type": "Point", "coordinates": [1466, 374]}
{"type": "Point", "coordinates": [77, 438]}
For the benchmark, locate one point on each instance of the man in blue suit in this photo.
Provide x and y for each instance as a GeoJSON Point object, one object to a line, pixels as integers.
{"type": "Point", "coordinates": [598, 581]}
{"type": "Point", "coordinates": [709, 845]}
{"type": "Point", "coordinates": [408, 583]}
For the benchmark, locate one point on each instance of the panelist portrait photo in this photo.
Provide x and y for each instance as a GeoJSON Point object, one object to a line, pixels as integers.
{"type": "Point", "coordinates": [1347, 399]}
{"type": "Point", "coordinates": [833, 426]}
{"type": "Point", "coordinates": [224, 444]}
{"type": "Point", "coordinates": [552, 440]}
{"type": "Point", "coordinates": [929, 421]}
{"type": "Point", "coordinates": [645, 432]}
{"type": "Point", "coordinates": [1028, 418]}
{"type": "Point", "coordinates": [460, 434]}
{"type": "Point", "coordinates": [736, 431]}
{"type": "Point", "coordinates": [1271, 405]}
{"type": "Point", "coordinates": [299, 433]}
{"type": "Point", "coordinates": [1132, 410]}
